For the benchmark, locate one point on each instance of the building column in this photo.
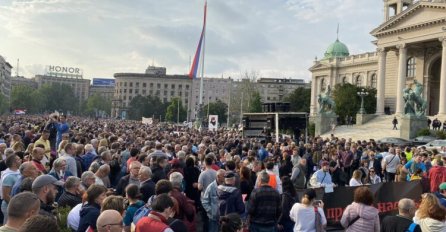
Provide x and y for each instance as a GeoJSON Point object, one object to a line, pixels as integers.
{"type": "Point", "coordinates": [442, 106]}
{"type": "Point", "coordinates": [401, 84]}
{"type": "Point", "coordinates": [380, 95]}
{"type": "Point", "coordinates": [313, 106]}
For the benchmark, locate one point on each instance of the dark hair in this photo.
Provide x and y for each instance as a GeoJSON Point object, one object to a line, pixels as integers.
{"type": "Point", "coordinates": [245, 173]}
{"type": "Point", "coordinates": [26, 185]}
{"type": "Point", "coordinates": [94, 191]}
{"type": "Point", "coordinates": [270, 165]}
{"type": "Point", "coordinates": [230, 223]}
{"type": "Point", "coordinates": [162, 202]}
{"type": "Point", "coordinates": [39, 223]}
{"type": "Point", "coordinates": [132, 191]}
{"type": "Point", "coordinates": [160, 159]}
{"type": "Point", "coordinates": [134, 152]}
{"type": "Point", "coordinates": [363, 195]}
{"type": "Point", "coordinates": [190, 162]}
{"type": "Point", "coordinates": [163, 186]}
{"type": "Point", "coordinates": [208, 160]}
{"type": "Point", "coordinates": [21, 204]}
{"type": "Point", "coordinates": [10, 160]}
{"type": "Point", "coordinates": [142, 157]}
{"type": "Point", "coordinates": [230, 165]}
{"type": "Point", "coordinates": [287, 186]}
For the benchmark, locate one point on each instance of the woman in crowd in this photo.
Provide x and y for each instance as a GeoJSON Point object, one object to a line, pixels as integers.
{"type": "Point", "coordinates": [91, 210]}
{"type": "Point", "coordinates": [356, 179]}
{"type": "Point", "coordinates": [304, 214]}
{"type": "Point", "coordinates": [132, 194]}
{"type": "Point", "coordinates": [245, 182]}
{"type": "Point", "coordinates": [372, 178]}
{"type": "Point", "coordinates": [191, 174]}
{"type": "Point", "coordinates": [231, 223]}
{"type": "Point", "coordinates": [401, 175]}
{"type": "Point", "coordinates": [289, 196]}
{"type": "Point", "coordinates": [361, 216]}
{"type": "Point", "coordinates": [431, 215]}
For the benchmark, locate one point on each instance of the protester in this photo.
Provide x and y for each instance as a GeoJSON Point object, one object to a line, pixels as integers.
{"type": "Point", "coordinates": [20, 207]}
{"type": "Point", "coordinates": [231, 223]}
{"type": "Point", "coordinates": [45, 187]}
{"type": "Point", "coordinates": [91, 210]}
{"type": "Point", "coordinates": [132, 194]}
{"type": "Point", "coordinates": [289, 197]}
{"type": "Point", "coordinates": [147, 186]}
{"type": "Point", "coordinates": [361, 216]}
{"type": "Point", "coordinates": [156, 221]}
{"type": "Point", "coordinates": [71, 195]}
{"type": "Point", "coordinates": [402, 221]}
{"type": "Point", "coordinates": [109, 221]}
{"type": "Point", "coordinates": [8, 179]}
{"type": "Point", "coordinates": [356, 179]}
{"type": "Point", "coordinates": [431, 216]}
{"type": "Point", "coordinates": [309, 214]}
{"type": "Point", "coordinates": [39, 223]}
{"type": "Point", "coordinates": [210, 201]}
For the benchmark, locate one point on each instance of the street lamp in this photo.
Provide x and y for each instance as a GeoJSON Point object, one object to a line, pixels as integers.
{"type": "Point", "coordinates": [362, 94]}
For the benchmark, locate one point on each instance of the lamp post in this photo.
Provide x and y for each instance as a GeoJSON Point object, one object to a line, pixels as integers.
{"type": "Point", "coordinates": [362, 94]}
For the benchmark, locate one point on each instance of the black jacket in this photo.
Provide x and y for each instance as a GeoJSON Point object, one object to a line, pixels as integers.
{"type": "Point", "coordinates": [147, 190]}
{"type": "Point", "coordinates": [88, 216]}
{"type": "Point", "coordinates": [122, 184]}
{"type": "Point", "coordinates": [158, 173]}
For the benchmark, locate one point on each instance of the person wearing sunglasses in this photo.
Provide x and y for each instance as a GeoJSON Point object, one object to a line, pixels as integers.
{"type": "Point", "coordinates": [372, 178]}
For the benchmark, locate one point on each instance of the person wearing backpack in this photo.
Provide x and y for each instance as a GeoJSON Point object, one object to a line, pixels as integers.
{"type": "Point", "coordinates": [402, 221]}
{"type": "Point", "coordinates": [156, 221]}
{"type": "Point", "coordinates": [361, 216]}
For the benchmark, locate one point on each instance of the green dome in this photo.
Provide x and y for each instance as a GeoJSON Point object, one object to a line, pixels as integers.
{"type": "Point", "coordinates": [336, 49]}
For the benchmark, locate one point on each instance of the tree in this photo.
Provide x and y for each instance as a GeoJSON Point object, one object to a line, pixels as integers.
{"type": "Point", "coordinates": [255, 104]}
{"type": "Point", "coordinates": [174, 110]}
{"type": "Point", "coordinates": [96, 103]}
{"type": "Point", "coordinates": [22, 97]}
{"type": "Point", "coordinates": [58, 97]}
{"type": "Point", "coordinates": [348, 102]}
{"type": "Point", "coordinates": [149, 106]}
{"type": "Point", "coordinates": [300, 100]}
{"type": "Point", "coordinates": [216, 108]}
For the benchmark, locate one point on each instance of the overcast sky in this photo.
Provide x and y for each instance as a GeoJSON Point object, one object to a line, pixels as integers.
{"type": "Point", "coordinates": [275, 38]}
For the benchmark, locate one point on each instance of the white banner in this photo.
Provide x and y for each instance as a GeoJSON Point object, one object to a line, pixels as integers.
{"type": "Point", "coordinates": [147, 121]}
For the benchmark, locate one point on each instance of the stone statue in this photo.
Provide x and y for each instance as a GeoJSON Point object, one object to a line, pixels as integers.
{"type": "Point", "coordinates": [326, 103]}
{"type": "Point", "coordinates": [414, 104]}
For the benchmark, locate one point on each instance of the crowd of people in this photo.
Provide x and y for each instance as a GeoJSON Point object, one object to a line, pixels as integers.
{"type": "Point", "coordinates": [111, 175]}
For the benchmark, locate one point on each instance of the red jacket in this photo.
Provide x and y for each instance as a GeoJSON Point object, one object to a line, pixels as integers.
{"type": "Point", "coordinates": [437, 175]}
{"type": "Point", "coordinates": [150, 224]}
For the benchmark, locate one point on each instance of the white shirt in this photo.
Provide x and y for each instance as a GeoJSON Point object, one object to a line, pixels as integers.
{"type": "Point", "coordinates": [74, 217]}
{"type": "Point", "coordinates": [354, 182]}
{"type": "Point", "coordinates": [391, 162]}
{"type": "Point", "coordinates": [305, 218]}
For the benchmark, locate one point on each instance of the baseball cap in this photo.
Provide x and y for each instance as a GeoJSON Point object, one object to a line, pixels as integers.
{"type": "Point", "coordinates": [43, 180]}
{"type": "Point", "coordinates": [442, 186]}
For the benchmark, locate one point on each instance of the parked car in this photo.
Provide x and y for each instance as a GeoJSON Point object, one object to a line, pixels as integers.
{"type": "Point", "coordinates": [420, 140]}
{"type": "Point", "coordinates": [395, 141]}
{"type": "Point", "coordinates": [436, 144]}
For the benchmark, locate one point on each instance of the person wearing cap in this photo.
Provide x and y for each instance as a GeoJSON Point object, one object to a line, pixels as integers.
{"type": "Point", "coordinates": [441, 194]}
{"type": "Point", "coordinates": [229, 197]}
{"type": "Point", "coordinates": [45, 187]}
{"type": "Point", "coordinates": [322, 176]}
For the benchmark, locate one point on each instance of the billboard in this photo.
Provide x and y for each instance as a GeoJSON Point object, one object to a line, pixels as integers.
{"type": "Point", "coordinates": [63, 71]}
{"type": "Point", "coordinates": [103, 82]}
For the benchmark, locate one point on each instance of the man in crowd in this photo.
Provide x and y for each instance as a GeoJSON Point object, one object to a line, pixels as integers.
{"type": "Point", "coordinates": [26, 169]}
{"type": "Point", "coordinates": [71, 196]}
{"type": "Point", "coordinates": [147, 187]}
{"type": "Point", "coordinates": [274, 180]}
{"type": "Point", "coordinates": [229, 197]}
{"type": "Point", "coordinates": [88, 157]}
{"type": "Point", "coordinates": [38, 155]}
{"type": "Point", "coordinates": [45, 142]}
{"type": "Point", "coordinates": [21, 207]}
{"type": "Point", "coordinates": [102, 175]}
{"type": "Point", "coordinates": [441, 194]}
{"type": "Point", "coordinates": [158, 171]}
{"type": "Point", "coordinates": [210, 201]}
{"type": "Point", "coordinates": [68, 156]}
{"type": "Point", "coordinates": [109, 221]}
{"type": "Point", "coordinates": [322, 176]}
{"type": "Point", "coordinates": [88, 178]}
{"type": "Point", "coordinates": [413, 165]}
{"type": "Point", "coordinates": [402, 221]}
{"type": "Point", "coordinates": [45, 187]}
{"type": "Point", "coordinates": [204, 180]}
{"type": "Point", "coordinates": [264, 206]}
{"type": "Point", "coordinates": [131, 178]}
{"type": "Point", "coordinates": [390, 164]}
{"type": "Point", "coordinates": [162, 209]}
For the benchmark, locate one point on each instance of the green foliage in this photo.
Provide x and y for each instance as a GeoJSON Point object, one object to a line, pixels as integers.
{"type": "Point", "coordinates": [348, 102]}
{"type": "Point", "coordinates": [47, 98]}
{"type": "Point", "coordinates": [255, 104]}
{"type": "Point", "coordinates": [424, 132]}
{"type": "Point", "coordinates": [441, 134]}
{"type": "Point", "coordinates": [216, 108]}
{"type": "Point", "coordinates": [312, 129]}
{"type": "Point", "coordinates": [149, 106]}
{"type": "Point", "coordinates": [4, 108]}
{"type": "Point", "coordinates": [174, 110]}
{"type": "Point", "coordinates": [62, 218]}
{"type": "Point", "coordinates": [95, 104]}
{"type": "Point", "coordinates": [299, 100]}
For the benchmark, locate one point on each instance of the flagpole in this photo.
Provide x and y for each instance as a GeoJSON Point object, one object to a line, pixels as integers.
{"type": "Point", "coordinates": [202, 60]}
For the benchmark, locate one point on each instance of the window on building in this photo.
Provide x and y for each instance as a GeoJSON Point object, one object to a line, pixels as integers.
{"type": "Point", "coordinates": [130, 90]}
{"type": "Point", "coordinates": [166, 86]}
{"type": "Point", "coordinates": [186, 101]}
{"type": "Point", "coordinates": [374, 81]}
{"type": "Point", "coordinates": [125, 84]}
{"type": "Point", "coordinates": [144, 85]}
{"type": "Point", "coordinates": [411, 67]}
{"type": "Point", "coordinates": [125, 90]}
{"type": "Point", "coordinates": [165, 100]}
{"type": "Point", "coordinates": [165, 92]}
{"type": "Point", "coordinates": [323, 85]}
{"type": "Point", "coordinates": [180, 93]}
{"type": "Point", "coordinates": [180, 86]}
{"type": "Point", "coordinates": [344, 80]}
{"type": "Point", "coordinates": [151, 85]}
{"type": "Point", "coordinates": [137, 84]}
{"type": "Point", "coordinates": [150, 92]}
{"type": "Point", "coordinates": [187, 87]}
{"type": "Point", "coordinates": [358, 81]}
{"type": "Point", "coordinates": [131, 84]}
{"type": "Point", "coordinates": [130, 98]}
{"type": "Point", "coordinates": [172, 86]}
{"type": "Point", "coordinates": [144, 92]}
{"type": "Point", "coordinates": [172, 93]}
{"type": "Point", "coordinates": [136, 91]}
{"type": "Point", "coordinates": [157, 93]}
{"type": "Point", "coordinates": [158, 85]}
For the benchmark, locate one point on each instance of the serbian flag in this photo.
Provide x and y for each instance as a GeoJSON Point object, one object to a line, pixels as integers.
{"type": "Point", "coordinates": [195, 63]}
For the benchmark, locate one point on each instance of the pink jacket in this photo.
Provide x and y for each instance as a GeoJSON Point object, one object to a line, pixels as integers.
{"type": "Point", "coordinates": [368, 221]}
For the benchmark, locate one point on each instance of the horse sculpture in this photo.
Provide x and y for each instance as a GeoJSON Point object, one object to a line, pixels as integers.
{"type": "Point", "coordinates": [414, 104]}
{"type": "Point", "coordinates": [326, 103]}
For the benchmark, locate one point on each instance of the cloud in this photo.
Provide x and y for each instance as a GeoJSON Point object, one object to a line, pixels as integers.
{"type": "Point", "coordinates": [274, 38]}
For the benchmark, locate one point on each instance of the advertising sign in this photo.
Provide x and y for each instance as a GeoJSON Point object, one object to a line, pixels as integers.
{"type": "Point", "coordinates": [103, 82]}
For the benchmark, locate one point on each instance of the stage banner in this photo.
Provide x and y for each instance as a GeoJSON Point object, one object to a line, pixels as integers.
{"type": "Point", "coordinates": [386, 196]}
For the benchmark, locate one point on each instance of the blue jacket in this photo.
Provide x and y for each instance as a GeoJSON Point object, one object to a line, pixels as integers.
{"type": "Point", "coordinates": [88, 216]}
{"type": "Point", "coordinates": [87, 159]}
{"type": "Point", "coordinates": [210, 201]}
{"type": "Point", "coordinates": [229, 200]}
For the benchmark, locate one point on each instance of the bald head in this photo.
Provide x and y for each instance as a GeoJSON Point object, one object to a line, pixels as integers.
{"type": "Point", "coordinates": [109, 220]}
{"type": "Point", "coordinates": [406, 207]}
